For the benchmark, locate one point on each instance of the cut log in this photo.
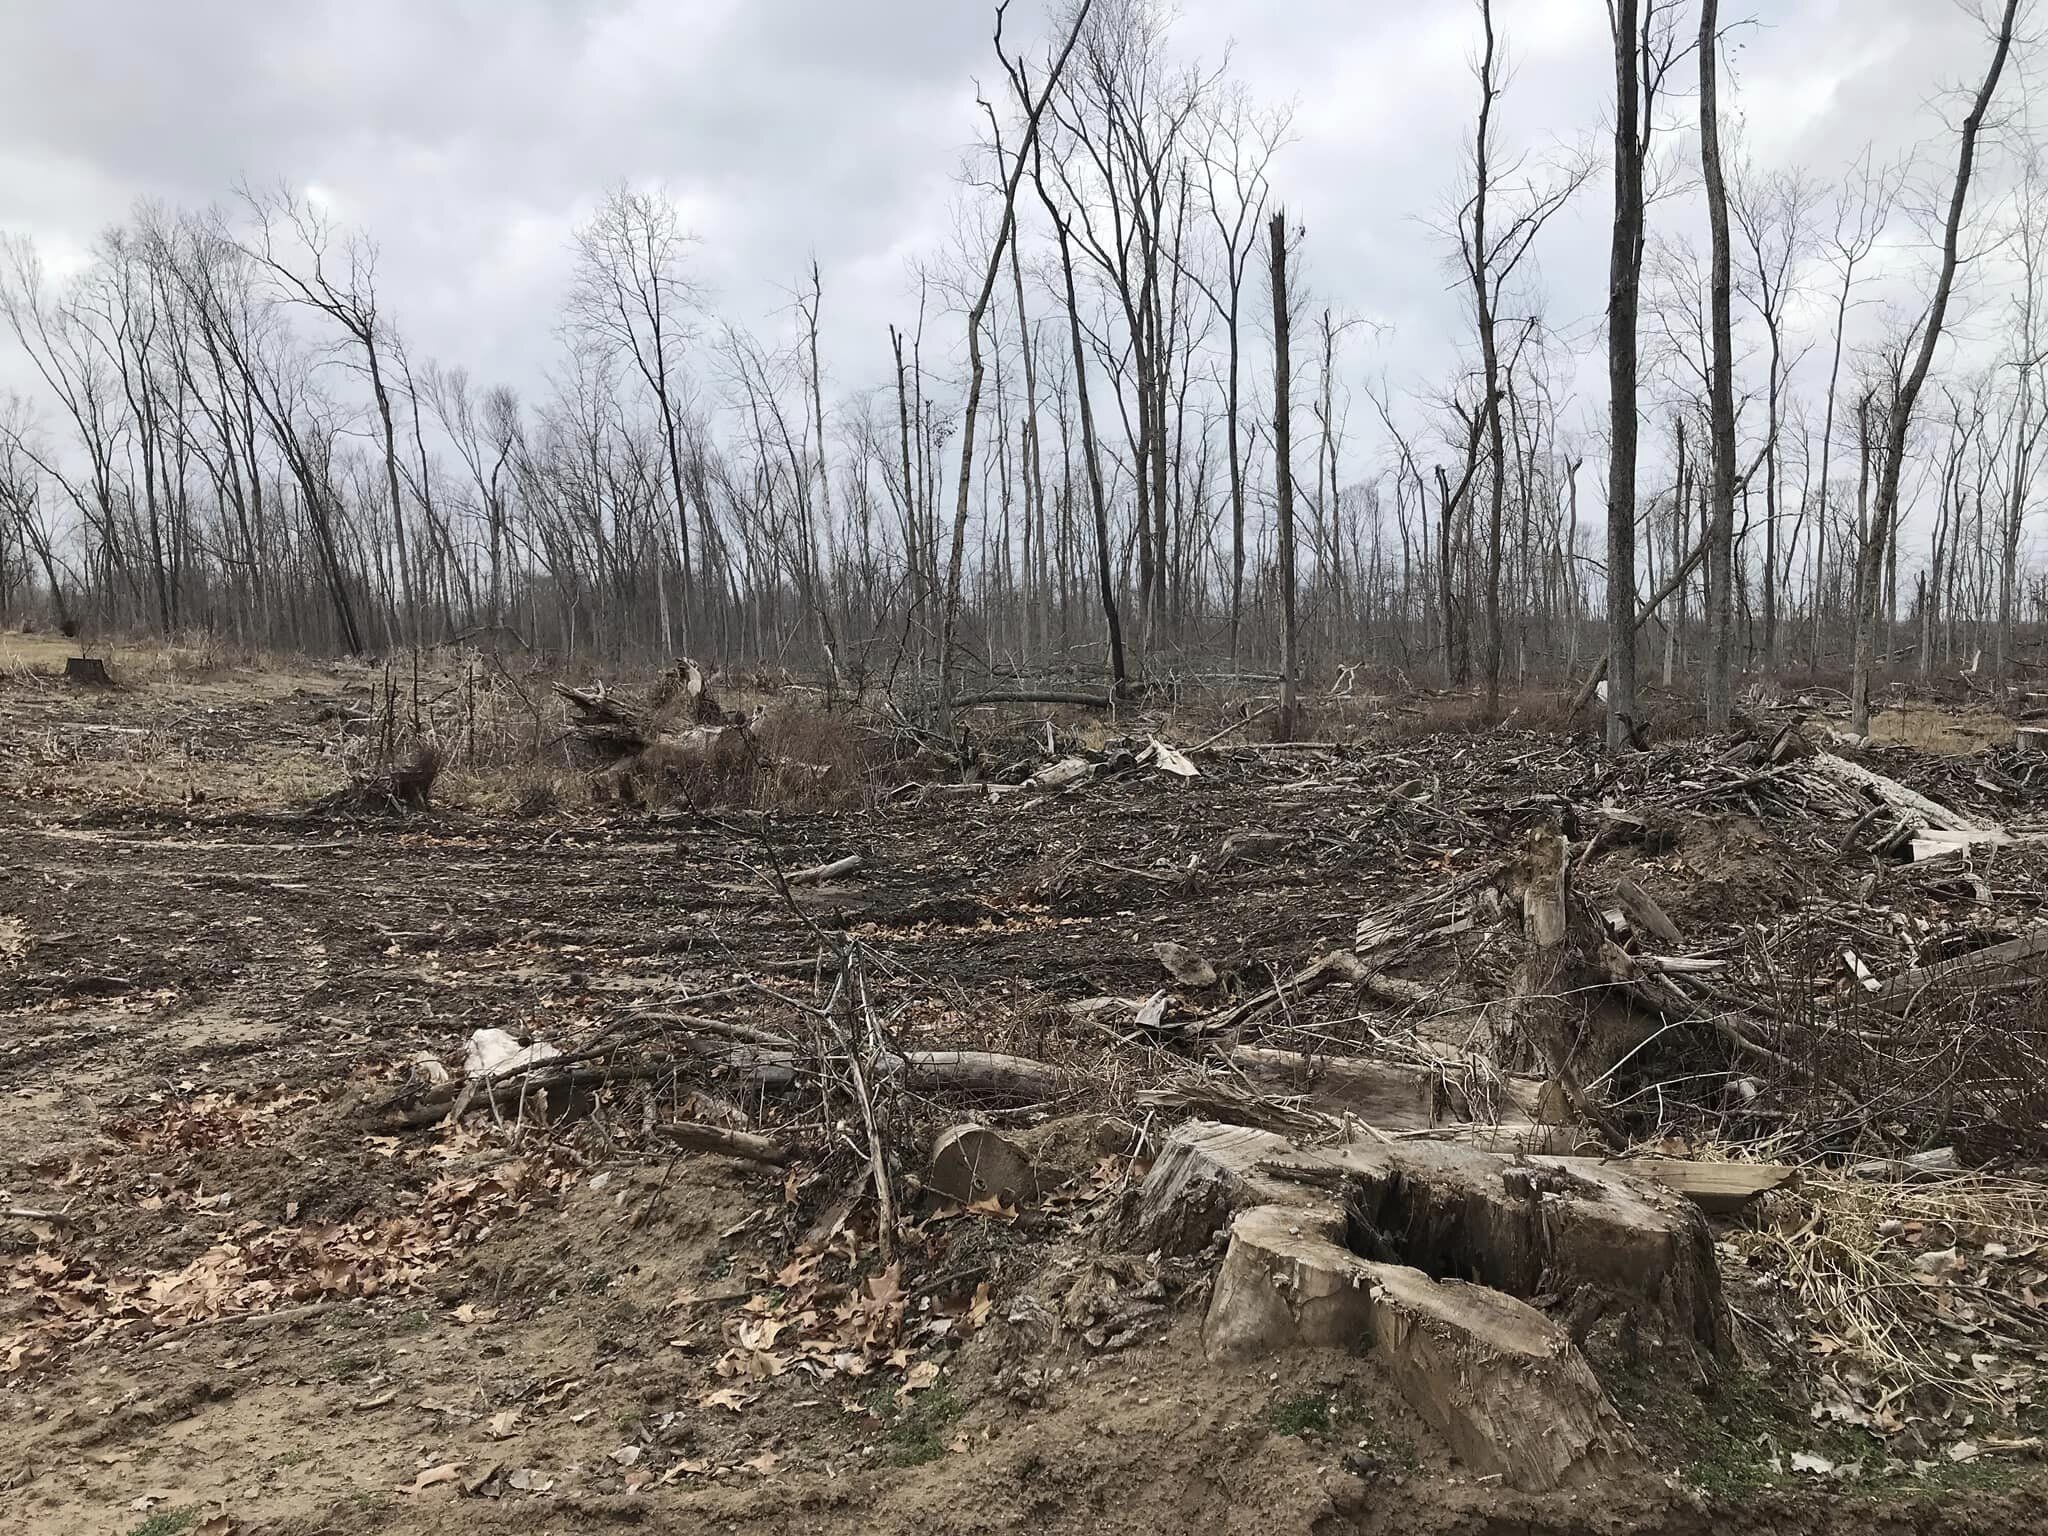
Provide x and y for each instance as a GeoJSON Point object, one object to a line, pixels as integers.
{"type": "Point", "coordinates": [1644, 915]}
{"type": "Point", "coordinates": [747, 1145]}
{"type": "Point", "coordinates": [1717, 1188]}
{"type": "Point", "coordinates": [2031, 738]}
{"type": "Point", "coordinates": [1501, 1382]}
{"type": "Point", "coordinates": [1068, 770]}
{"type": "Point", "coordinates": [822, 872]}
{"type": "Point", "coordinates": [1382, 1094]}
{"type": "Point", "coordinates": [971, 1163]}
{"type": "Point", "coordinates": [2019, 960]}
{"type": "Point", "coordinates": [1016, 1077]}
{"type": "Point", "coordinates": [1933, 843]}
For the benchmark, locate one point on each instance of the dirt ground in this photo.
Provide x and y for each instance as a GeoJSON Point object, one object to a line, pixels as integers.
{"type": "Point", "coordinates": [237, 1298]}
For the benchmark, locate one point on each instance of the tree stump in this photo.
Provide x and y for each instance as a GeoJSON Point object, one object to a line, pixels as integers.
{"type": "Point", "coordinates": [1623, 1245]}
{"type": "Point", "coordinates": [1502, 1383]}
{"type": "Point", "coordinates": [87, 672]}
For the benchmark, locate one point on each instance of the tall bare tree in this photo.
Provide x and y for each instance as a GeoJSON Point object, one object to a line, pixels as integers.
{"type": "Point", "coordinates": [1283, 470]}
{"type": "Point", "coordinates": [1721, 388]}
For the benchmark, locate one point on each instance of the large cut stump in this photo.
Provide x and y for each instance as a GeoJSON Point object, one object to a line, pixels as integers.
{"type": "Point", "coordinates": [1203, 1176]}
{"type": "Point", "coordinates": [1499, 1380]}
{"type": "Point", "coordinates": [1615, 1244]}
{"type": "Point", "coordinates": [1502, 1383]}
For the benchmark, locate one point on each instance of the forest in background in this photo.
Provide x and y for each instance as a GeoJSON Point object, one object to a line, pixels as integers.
{"type": "Point", "coordinates": [1112, 438]}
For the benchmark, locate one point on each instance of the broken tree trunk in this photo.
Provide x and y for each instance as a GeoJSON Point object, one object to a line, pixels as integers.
{"type": "Point", "coordinates": [1644, 915]}
{"type": "Point", "coordinates": [1016, 1077]}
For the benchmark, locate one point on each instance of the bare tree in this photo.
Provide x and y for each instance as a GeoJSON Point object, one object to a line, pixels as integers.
{"type": "Point", "coordinates": [1283, 471]}
{"type": "Point", "coordinates": [631, 297]}
{"type": "Point", "coordinates": [348, 297]}
{"type": "Point", "coordinates": [1490, 257]}
{"type": "Point", "coordinates": [1721, 392]}
{"type": "Point", "coordinates": [1899, 411]}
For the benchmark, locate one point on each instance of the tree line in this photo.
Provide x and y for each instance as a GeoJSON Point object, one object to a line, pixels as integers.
{"type": "Point", "coordinates": [1114, 432]}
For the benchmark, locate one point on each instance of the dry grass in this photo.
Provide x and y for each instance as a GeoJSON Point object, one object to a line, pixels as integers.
{"type": "Point", "coordinates": [1935, 729]}
{"type": "Point", "coordinates": [1916, 1293]}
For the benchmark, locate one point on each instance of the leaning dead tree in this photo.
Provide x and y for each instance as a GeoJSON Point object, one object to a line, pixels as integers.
{"type": "Point", "coordinates": [1005, 230]}
{"type": "Point", "coordinates": [1898, 418]}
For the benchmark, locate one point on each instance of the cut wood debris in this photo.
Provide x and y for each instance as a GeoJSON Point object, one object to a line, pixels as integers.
{"type": "Point", "coordinates": [1483, 1074]}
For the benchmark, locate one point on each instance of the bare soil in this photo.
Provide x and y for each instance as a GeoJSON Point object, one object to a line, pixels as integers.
{"type": "Point", "coordinates": [239, 1295]}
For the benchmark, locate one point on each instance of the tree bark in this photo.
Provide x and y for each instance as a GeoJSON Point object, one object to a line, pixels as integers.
{"type": "Point", "coordinates": [1624, 277]}
{"type": "Point", "coordinates": [1721, 389]}
{"type": "Point", "coordinates": [1283, 474]}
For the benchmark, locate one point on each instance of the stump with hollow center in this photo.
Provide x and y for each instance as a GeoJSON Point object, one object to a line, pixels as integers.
{"type": "Point", "coordinates": [1430, 1254]}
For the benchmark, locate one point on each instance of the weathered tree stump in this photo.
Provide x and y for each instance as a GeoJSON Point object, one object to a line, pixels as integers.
{"type": "Point", "coordinates": [87, 672]}
{"type": "Point", "coordinates": [1620, 1245]}
{"type": "Point", "coordinates": [1503, 1384]}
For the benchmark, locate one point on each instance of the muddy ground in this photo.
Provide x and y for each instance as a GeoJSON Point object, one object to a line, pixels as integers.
{"type": "Point", "coordinates": [240, 1298]}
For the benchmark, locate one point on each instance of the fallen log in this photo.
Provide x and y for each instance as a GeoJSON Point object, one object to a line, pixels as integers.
{"type": "Point", "coordinates": [1382, 1094]}
{"type": "Point", "coordinates": [1016, 1077]}
{"type": "Point", "coordinates": [1393, 1096]}
{"type": "Point", "coordinates": [1915, 807]}
{"type": "Point", "coordinates": [1037, 696]}
{"type": "Point", "coordinates": [821, 872]}
{"type": "Point", "coordinates": [749, 1146]}
{"type": "Point", "coordinates": [2016, 961]}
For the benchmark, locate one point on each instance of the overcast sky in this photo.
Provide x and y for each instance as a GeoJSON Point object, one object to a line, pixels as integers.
{"type": "Point", "coordinates": [470, 136]}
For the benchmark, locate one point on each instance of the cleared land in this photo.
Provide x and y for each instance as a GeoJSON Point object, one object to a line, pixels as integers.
{"type": "Point", "coordinates": [246, 1285]}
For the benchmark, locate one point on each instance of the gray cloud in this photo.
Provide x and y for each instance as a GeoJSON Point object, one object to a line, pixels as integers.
{"type": "Point", "coordinates": [469, 136]}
